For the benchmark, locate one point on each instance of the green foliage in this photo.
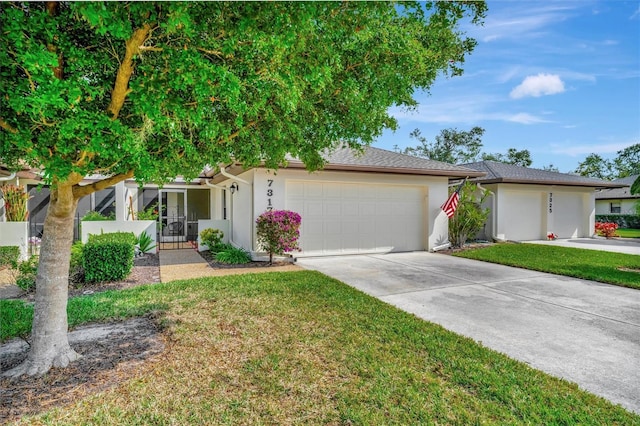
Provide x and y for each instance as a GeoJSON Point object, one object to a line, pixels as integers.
{"type": "Point", "coordinates": [622, 220]}
{"type": "Point", "coordinates": [626, 163]}
{"type": "Point", "coordinates": [76, 270]}
{"type": "Point", "coordinates": [94, 216]}
{"type": "Point", "coordinates": [212, 238]}
{"type": "Point", "coordinates": [470, 216]}
{"type": "Point", "coordinates": [234, 256]}
{"type": "Point", "coordinates": [150, 213]}
{"type": "Point", "coordinates": [27, 271]}
{"type": "Point", "coordinates": [15, 202]}
{"type": "Point", "coordinates": [16, 319]}
{"type": "Point", "coordinates": [145, 243]}
{"type": "Point", "coordinates": [9, 256]}
{"type": "Point", "coordinates": [212, 81]}
{"type": "Point", "coordinates": [516, 157]}
{"type": "Point", "coordinates": [108, 257]}
{"type": "Point", "coordinates": [451, 145]}
{"type": "Point", "coordinates": [606, 267]}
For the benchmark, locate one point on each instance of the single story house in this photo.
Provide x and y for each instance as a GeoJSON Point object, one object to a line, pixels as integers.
{"type": "Point", "coordinates": [377, 201]}
{"type": "Point", "coordinates": [528, 204]}
{"type": "Point", "coordinates": [374, 201]}
{"type": "Point", "coordinates": [617, 200]}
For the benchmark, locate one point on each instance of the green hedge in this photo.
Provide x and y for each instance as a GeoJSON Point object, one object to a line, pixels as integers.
{"type": "Point", "coordinates": [9, 255]}
{"type": "Point", "coordinates": [108, 257]}
{"type": "Point", "coordinates": [623, 220]}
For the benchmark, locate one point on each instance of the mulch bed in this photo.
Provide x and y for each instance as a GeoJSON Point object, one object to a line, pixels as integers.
{"type": "Point", "coordinates": [211, 260]}
{"type": "Point", "coordinates": [106, 360]}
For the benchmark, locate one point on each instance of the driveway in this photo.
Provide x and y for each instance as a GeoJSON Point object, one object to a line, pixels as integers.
{"type": "Point", "coordinates": [579, 330]}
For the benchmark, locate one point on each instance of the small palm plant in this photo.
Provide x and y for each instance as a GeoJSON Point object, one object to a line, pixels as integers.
{"type": "Point", "coordinates": [15, 203]}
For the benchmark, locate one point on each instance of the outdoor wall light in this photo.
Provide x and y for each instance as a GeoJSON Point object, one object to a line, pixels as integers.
{"type": "Point", "coordinates": [234, 187]}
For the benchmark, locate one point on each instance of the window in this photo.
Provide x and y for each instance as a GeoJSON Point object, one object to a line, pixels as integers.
{"type": "Point", "coordinates": [614, 207]}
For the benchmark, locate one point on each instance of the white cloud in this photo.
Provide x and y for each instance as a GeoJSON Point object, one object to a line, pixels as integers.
{"type": "Point", "coordinates": [636, 14]}
{"type": "Point", "coordinates": [525, 118]}
{"type": "Point", "coordinates": [538, 85]}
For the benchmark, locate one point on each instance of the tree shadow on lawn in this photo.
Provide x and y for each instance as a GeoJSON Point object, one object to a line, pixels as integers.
{"type": "Point", "coordinates": [111, 353]}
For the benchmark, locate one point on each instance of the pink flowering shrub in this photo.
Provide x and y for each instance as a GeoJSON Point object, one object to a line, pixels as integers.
{"type": "Point", "coordinates": [606, 229]}
{"type": "Point", "coordinates": [278, 231]}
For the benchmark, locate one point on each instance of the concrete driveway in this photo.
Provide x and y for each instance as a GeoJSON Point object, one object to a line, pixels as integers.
{"type": "Point", "coordinates": [579, 330]}
{"type": "Point", "coordinates": [615, 245]}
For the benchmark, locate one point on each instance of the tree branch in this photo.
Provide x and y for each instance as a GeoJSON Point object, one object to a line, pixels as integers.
{"type": "Point", "coordinates": [81, 191]}
{"type": "Point", "coordinates": [121, 87]}
{"type": "Point", "coordinates": [8, 127]}
{"type": "Point", "coordinates": [237, 133]}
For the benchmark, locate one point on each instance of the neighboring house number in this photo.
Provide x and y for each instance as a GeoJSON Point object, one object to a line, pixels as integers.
{"type": "Point", "coordinates": [269, 194]}
{"type": "Point", "coordinates": [551, 202]}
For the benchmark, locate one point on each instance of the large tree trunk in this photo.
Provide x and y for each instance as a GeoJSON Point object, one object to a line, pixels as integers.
{"type": "Point", "coordinates": [49, 342]}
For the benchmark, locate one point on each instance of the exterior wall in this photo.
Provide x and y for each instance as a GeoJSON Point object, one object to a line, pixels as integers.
{"type": "Point", "coordinates": [627, 206]}
{"type": "Point", "coordinates": [15, 234]}
{"type": "Point", "coordinates": [240, 210]}
{"type": "Point", "coordinates": [528, 212]}
{"type": "Point", "coordinates": [269, 190]}
{"type": "Point", "coordinates": [108, 226]}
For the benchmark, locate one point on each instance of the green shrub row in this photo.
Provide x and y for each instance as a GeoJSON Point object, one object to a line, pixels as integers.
{"type": "Point", "coordinates": [622, 220]}
{"type": "Point", "coordinates": [108, 257]}
{"type": "Point", "coordinates": [9, 255]}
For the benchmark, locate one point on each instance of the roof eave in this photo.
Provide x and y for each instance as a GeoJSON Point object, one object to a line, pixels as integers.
{"type": "Point", "coordinates": [549, 182]}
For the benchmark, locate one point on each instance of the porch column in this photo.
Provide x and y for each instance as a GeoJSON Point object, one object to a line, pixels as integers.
{"type": "Point", "coordinates": [121, 202]}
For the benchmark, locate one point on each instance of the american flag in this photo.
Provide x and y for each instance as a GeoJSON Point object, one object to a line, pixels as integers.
{"type": "Point", "coordinates": [449, 207]}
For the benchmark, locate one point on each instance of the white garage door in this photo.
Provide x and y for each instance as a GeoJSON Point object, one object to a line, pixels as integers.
{"type": "Point", "coordinates": [343, 218]}
{"type": "Point", "coordinates": [568, 215]}
{"type": "Point", "coordinates": [521, 217]}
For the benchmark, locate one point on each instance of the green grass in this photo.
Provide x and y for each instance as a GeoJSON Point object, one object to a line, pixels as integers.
{"type": "Point", "coordinates": [628, 233]}
{"type": "Point", "coordinates": [606, 267]}
{"type": "Point", "coordinates": [299, 347]}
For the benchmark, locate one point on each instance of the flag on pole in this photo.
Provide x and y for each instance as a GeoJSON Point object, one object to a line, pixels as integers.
{"type": "Point", "coordinates": [449, 207]}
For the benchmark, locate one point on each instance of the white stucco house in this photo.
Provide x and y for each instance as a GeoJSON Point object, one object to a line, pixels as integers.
{"type": "Point", "coordinates": [617, 200]}
{"type": "Point", "coordinates": [528, 204]}
{"type": "Point", "coordinates": [380, 201]}
{"type": "Point", "coordinates": [377, 201]}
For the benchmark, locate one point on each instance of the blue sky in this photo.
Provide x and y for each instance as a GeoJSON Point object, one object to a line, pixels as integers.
{"type": "Point", "coordinates": [561, 79]}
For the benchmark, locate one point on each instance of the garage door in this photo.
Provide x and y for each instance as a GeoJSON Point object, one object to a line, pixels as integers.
{"type": "Point", "coordinates": [568, 215]}
{"type": "Point", "coordinates": [521, 216]}
{"type": "Point", "coordinates": [346, 218]}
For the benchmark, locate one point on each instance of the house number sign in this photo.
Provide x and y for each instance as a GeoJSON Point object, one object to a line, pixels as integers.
{"type": "Point", "coordinates": [269, 194]}
{"type": "Point", "coordinates": [551, 202]}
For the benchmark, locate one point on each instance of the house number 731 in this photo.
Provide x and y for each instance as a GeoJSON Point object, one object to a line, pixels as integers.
{"type": "Point", "coordinates": [269, 194]}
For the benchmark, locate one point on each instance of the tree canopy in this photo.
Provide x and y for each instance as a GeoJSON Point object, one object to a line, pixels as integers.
{"type": "Point", "coordinates": [162, 88]}
{"type": "Point", "coordinates": [626, 163]}
{"type": "Point", "coordinates": [153, 90]}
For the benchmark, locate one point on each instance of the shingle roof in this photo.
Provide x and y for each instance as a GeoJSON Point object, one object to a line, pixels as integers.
{"type": "Point", "coordinates": [618, 193]}
{"type": "Point", "coordinates": [508, 173]}
{"type": "Point", "coordinates": [380, 160]}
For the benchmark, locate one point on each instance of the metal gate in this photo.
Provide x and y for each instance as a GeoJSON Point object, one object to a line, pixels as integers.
{"type": "Point", "coordinates": [177, 231]}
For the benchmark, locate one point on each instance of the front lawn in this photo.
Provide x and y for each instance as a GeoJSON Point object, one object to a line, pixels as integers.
{"type": "Point", "coordinates": [614, 268]}
{"type": "Point", "coordinates": [299, 347]}
{"type": "Point", "coordinates": [628, 232]}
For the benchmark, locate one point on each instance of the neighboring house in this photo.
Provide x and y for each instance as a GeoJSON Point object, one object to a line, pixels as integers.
{"type": "Point", "coordinates": [377, 201]}
{"type": "Point", "coordinates": [528, 204]}
{"type": "Point", "coordinates": [617, 200]}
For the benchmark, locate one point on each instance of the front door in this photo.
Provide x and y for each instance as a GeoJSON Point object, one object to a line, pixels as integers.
{"type": "Point", "coordinates": [173, 215]}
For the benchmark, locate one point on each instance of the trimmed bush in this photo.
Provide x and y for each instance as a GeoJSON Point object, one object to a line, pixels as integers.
{"type": "Point", "coordinates": [108, 257]}
{"type": "Point", "coordinates": [76, 271]}
{"type": "Point", "coordinates": [622, 220]}
{"type": "Point", "coordinates": [212, 238]}
{"type": "Point", "coordinates": [27, 272]}
{"type": "Point", "coordinates": [9, 256]}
